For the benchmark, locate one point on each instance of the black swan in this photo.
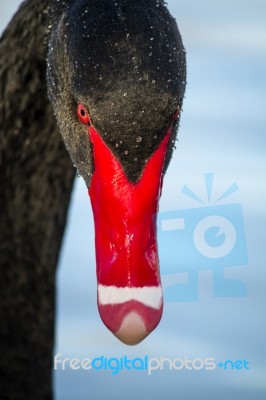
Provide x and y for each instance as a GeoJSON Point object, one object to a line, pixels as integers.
{"type": "Point", "coordinates": [115, 74]}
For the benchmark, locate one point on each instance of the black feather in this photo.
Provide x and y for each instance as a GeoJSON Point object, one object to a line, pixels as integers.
{"type": "Point", "coordinates": [126, 62]}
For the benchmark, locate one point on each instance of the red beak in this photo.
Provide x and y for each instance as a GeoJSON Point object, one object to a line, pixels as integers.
{"type": "Point", "coordinates": [130, 297]}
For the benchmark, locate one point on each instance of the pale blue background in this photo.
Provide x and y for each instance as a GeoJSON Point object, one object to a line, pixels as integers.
{"type": "Point", "coordinates": [223, 131]}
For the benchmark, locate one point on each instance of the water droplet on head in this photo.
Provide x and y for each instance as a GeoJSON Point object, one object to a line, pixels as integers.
{"type": "Point", "coordinates": [138, 139]}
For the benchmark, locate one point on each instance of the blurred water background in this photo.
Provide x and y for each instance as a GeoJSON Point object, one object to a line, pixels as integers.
{"type": "Point", "coordinates": [223, 132]}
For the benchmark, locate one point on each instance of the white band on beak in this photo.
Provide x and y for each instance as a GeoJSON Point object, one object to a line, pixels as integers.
{"type": "Point", "coordinates": [150, 296]}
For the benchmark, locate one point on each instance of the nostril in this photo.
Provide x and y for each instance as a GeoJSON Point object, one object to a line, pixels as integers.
{"type": "Point", "coordinates": [113, 253]}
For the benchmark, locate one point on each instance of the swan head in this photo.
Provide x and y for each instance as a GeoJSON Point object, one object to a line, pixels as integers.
{"type": "Point", "coordinates": [116, 79]}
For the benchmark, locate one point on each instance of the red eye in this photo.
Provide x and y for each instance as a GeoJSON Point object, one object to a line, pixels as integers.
{"type": "Point", "coordinates": [176, 114]}
{"type": "Point", "coordinates": [83, 114]}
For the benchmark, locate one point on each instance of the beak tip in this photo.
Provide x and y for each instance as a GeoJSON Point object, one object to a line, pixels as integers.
{"type": "Point", "coordinates": [132, 329]}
